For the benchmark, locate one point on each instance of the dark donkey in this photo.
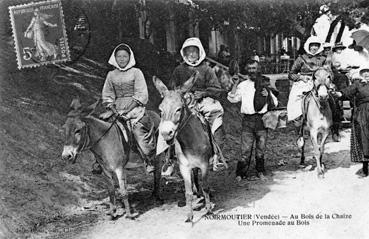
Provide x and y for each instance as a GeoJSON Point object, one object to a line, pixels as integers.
{"type": "Point", "coordinates": [109, 146]}
{"type": "Point", "coordinates": [192, 142]}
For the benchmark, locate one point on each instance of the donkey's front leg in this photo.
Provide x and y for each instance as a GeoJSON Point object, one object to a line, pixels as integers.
{"type": "Point", "coordinates": [206, 187]}
{"type": "Point", "coordinates": [324, 137]}
{"type": "Point", "coordinates": [186, 174]}
{"type": "Point", "coordinates": [316, 147]}
{"type": "Point", "coordinates": [122, 180]}
{"type": "Point", "coordinates": [302, 158]}
{"type": "Point", "coordinates": [157, 176]}
{"type": "Point", "coordinates": [111, 189]}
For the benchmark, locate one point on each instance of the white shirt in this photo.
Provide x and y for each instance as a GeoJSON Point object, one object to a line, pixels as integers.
{"type": "Point", "coordinates": [245, 93]}
{"type": "Point", "coordinates": [321, 27]}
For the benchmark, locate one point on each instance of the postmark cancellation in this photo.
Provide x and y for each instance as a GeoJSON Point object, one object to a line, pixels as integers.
{"type": "Point", "coordinates": [39, 33]}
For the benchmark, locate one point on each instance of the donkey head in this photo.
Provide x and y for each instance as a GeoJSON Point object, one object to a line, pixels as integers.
{"type": "Point", "coordinates": [172, 107]}
{"type": "Point", "coordinates": [322, 80]}
{"type": "Point", "coordinates": [75, 130]}
{"type": "Point", "coordinates": [225, 77]}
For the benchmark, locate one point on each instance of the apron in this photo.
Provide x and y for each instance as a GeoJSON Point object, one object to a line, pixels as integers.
{"type": "Point", "coordinates": [294, 105]}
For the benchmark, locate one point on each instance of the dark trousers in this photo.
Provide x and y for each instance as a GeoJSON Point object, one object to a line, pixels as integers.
{"type": "Point", "coordinates": [341, 81]}
{"type": "Point", "coordinates": [253, 132]}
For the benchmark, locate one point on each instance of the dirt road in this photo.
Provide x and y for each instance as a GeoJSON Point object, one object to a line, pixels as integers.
{"type": "Point", "coordinates": [292, 203]}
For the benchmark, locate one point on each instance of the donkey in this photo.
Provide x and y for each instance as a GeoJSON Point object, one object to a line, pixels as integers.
{"type": "Point", "coordinates": [179, 126]}
{"type": "Point", "coordinates": [110, 147]}
{"type": "Point", "coordinates": [317, 116]}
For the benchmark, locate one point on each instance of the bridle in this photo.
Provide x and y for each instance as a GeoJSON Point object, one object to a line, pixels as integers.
{"type": "Point", "coordinates": [86, 145]}
{"type": "Point", "coordinates": [314, 91]}
{"type": "Point", "coordinates": [183, 120]}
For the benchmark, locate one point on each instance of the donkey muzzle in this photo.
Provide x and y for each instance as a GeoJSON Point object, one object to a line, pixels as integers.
{"type": "Point", "coordinates": [69, 154]}
{"type": "Point", "coordinates": [167, 130]}
{"type": "Point", "coordinates": [323, 92]}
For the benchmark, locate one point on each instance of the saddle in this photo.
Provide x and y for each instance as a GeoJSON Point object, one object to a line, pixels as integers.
{"type": "Point", "coordinates": [125, 129]}
{"type": "Point", "coordinates": [215, 146]}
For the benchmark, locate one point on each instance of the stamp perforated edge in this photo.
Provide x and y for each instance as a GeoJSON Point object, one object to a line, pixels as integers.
{"type": "Point", "coordinates": [16, 46]}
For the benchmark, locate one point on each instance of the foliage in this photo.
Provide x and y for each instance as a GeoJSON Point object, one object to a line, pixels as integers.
{"type": "Point", "coordinates": [268, 17]}
{"type": "Point", "coordinates": [260, 17]}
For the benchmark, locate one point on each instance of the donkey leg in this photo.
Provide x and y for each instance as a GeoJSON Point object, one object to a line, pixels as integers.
{"type": "Point", "coordinates": [195, 180]}
{"type": "Point", "coordinates": [302, 158]}
{"type": "Point", "coordinates": [324, 137]}
{"type": "Point", "coordinates": [301, 146]}
{"type": "Point", "coordinates": [316, 147]}
{"type": "Point", "coordinates": [111, 190]}
{"type": "Point", "coordinates": [122, 180]}
{"type": "Point", "coordinates": [157, 176]}
{"type": "Point", "coordinates": [206, 188]}
{"type": "Point", "coordinates": [186, 174]}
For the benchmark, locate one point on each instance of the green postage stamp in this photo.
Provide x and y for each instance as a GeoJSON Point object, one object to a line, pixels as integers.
{"type": "Point", "coordinates": [39, 33]}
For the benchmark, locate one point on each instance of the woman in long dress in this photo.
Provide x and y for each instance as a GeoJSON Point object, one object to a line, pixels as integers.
{"type": "Point", "coordinates": [359, 91]}
{"type": "Point", "coordinates": [35, 31]}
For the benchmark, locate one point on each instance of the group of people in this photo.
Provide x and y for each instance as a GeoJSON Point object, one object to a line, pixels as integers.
{"type": "Point", "coordinates": [125, 93]}
{"type": "Point", "coordinates": [331, 44]}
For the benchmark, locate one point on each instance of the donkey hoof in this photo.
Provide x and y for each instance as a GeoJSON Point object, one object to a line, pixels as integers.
{"type": "Point", "coordinates": [132, 216]}
{"type": "Point", "coordinates": [189, 219]}
{"type": "Point", "coordinates": [181, 203]}
{"type": "Point", "coordinates": [120, 212]}
{"type": "Point", "coordinates": [302, 165]}
{"type": "Point", "coordinates": [308, 168]}
{"type": "Point", "coordinates": [320, 175]}
{"type": "Point", "coordinates": [109, 217]}
{"type": "Point", "coordinates": [209, 212]}
{"type": "Point", "coordinates": [300, 142]}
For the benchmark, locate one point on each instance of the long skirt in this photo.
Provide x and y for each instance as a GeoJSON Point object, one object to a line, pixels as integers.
{"type": "Point", "coordinates": [294, 105]}
{"type": "Point", "coordinates": [360, 134]}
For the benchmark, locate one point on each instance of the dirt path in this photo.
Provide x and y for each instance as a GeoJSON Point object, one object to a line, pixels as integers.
{"type": "Point", "coordinates": [289, 195]}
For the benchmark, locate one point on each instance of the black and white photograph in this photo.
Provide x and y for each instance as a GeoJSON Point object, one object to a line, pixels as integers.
{"type": "Point", "coordinates": [184, 119]}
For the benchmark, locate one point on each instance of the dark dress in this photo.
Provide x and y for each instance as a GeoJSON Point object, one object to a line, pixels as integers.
{"type": "Point", "coordinates": [359, 91]}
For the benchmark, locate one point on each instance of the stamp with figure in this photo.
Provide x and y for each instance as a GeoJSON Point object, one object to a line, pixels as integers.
{"type": "Point", "coordinates": [39, 33]}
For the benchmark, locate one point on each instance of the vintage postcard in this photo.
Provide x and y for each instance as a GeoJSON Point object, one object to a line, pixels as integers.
{"type": "Point", "coordinates": [39, 34]}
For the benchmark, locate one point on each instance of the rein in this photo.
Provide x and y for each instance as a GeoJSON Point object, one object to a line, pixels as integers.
{"type": "Point", "coordinates": [184, 122]}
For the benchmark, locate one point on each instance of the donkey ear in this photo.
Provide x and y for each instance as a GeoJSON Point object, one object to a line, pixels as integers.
{"type": "Point", "coordinates": [76, 104]}
{"type": "Point", "coordinates": [327, 67]}
{"type": "Point", "coordinates": [89, 110]}
{"type": "Point", "coordinates": [160, 86]}
{"type": "Point", "coordinates": [234, 67]}
{"type": "Point", "coordinates": [189, 83]}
